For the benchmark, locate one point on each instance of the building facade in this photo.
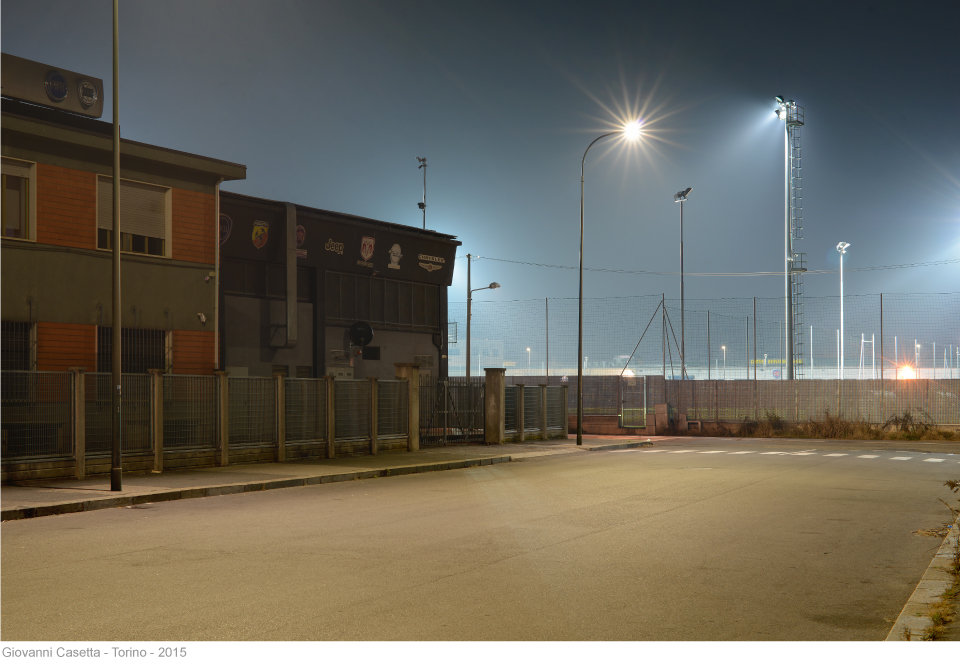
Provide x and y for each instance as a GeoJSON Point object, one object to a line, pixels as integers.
{"type": "Point", "coordinates": [294, 280]}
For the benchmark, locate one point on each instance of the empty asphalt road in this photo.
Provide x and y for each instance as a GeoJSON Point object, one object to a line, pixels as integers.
{"type": "Point", "coordinates": [694, 539]}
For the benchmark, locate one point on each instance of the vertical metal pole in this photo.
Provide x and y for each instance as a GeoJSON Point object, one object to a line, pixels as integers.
{"type": "Point", "coordinates": [811, 351]}
{"type": "Point", "coordinates": [754, 337]}
{"type": "Point", "coordinates": [787, 248]}
{"type": "Point", "coordinates": [663, 332]}
{"type": "Point", "coordinates": [683, 346]}
{"type": "Point", "coordinates": [881, 336]}
{"type": "Point", "coordinates": [469, 314]}
{"type": "Point", "coordinates": [546, 319]}
{"type": "Point", "coordinates": [116, 479]}
{"type": "Point", "coordinates": [708, 344]}
{"type": "Point", "coordinates": [746, 345]}
{"type": "Point", "coordinates": [841, 317]}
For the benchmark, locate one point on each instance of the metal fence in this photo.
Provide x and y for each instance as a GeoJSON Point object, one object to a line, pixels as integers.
{"type": "Point", "coordinates": [556, 408]}
{"type": "Point", "coordinates": [451, 412]}
{"type": "Point", "coordinates": [253, 411]}
{"type": "Point", "coordinates": [190, 418]}
{"type": "Point", "coordinates": [136, 429]}
{"type": "Point", "coordinates": [392, 408]}
{"type": "Point", "coordinates": [37, 415]}
{"type": "Point", "coordinates": [305, 410]}
{"type": "Point", "coordinates": [531, 408]}
{"type": "Point", "coordinates": [510, 408]}
{"type": "Point", "coordinates": [352, 406]}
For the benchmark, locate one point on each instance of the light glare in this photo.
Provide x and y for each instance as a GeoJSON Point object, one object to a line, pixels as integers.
{"type": "Point", "coordinates": [632, 130]}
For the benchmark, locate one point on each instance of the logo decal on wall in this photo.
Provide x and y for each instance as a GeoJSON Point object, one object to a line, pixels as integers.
{"type": "Point", "coordinates": [333, 246]}
{"type": "Point", "coordinates": [260, 229]}
{"type": "Point", "coordinates": [87, 92]}
{"type": "Point", "coordinates": [430, 263]}
{"type": "Point", "coordinates": [301, 237]}
{"type": "Point", "coordinates": [366, 247]}
{"type": "Point", "coordinates": [226, 226]}
{"type": "Point", "coordinates": [56, 86]}
{"type": "Point", "coordinates": [395, 257]}
{"type": "Point", "coordinates": [429, 267]}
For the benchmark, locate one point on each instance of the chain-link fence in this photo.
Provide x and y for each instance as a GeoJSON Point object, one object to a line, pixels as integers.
{"type": "Point", "coordinates": [306, 410]}
{"type": "Point", "coordinates": [190, 419]}
{"type": "Point", "coordinates": [136, 427]}
{"type": "Point", "coordinates": [253, 411]}
{"type": "Point", "coordinates": [891, 336]}
{"type": "Point", "coordinates": [392, 401]}
{"type": "Point", "coordinates": [352, 405]}
{"type": "Point", "coordinates": [37, 415]}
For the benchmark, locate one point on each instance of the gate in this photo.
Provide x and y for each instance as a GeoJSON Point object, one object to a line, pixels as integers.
{"type": "Point", "coordinates": [451, 413]}
{"type": "Point", "coordinates": [633, 405]}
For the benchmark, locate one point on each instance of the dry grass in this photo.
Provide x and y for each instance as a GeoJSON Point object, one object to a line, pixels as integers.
{"type": "Point", "coordinates": [827, 426]}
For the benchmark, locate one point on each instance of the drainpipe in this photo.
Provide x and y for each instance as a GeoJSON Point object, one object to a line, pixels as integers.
{"type": "Point", "coordinates": [216, 278]}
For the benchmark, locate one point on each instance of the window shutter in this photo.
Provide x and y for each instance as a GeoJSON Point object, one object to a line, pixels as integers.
{"type": "Point", "coordinates": [143, 208]}
{"type": "Point", "coordinates": [16, 168]}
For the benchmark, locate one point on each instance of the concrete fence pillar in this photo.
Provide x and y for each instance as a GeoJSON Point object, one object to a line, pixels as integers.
{"type": "Point", "coordinates": [331, 416]}
{"type": "Point", "coordinates": [79, 422]}
{"type": "Point", "coordinates": [411, 373]}
{"type": "Point", "coordinates": [543, 410]}
{"type": "Point", "coordinates": [223, 409]}
{"type": "Point", "coordinates": [156, 416]}
{"type": "Point", "coordinates": [374, 411]}
{"type": "Point", "coordinates": [494, 418]}
{"type": "Point", "coordinates": [520, 412]}
{"type": "Point", "coordinates": [281, 421]}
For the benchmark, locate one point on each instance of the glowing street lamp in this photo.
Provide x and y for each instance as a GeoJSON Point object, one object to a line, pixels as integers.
{"type": "Point", "coordinates": [724, 362]}
{"type": "Point", "coordinates": [630, 131]}
{"type": "Point", "coordinates": [842, 249]}
{"type": "Point", "coordinates": [528, 358]}
{"type": "Point", "coordinates": [470, 292]}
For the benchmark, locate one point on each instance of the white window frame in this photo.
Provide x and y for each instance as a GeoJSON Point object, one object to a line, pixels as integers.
{"type": "Point", "coordinates": [32, 215]}
{"type": "Point", "coordinates": [167, 218]}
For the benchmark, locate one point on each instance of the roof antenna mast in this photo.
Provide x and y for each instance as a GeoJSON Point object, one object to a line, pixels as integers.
{"type": "Point", "coordinates": [423, 204]}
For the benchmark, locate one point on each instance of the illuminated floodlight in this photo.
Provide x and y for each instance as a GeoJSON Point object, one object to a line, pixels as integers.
{"type": "Point", "coordinates": [842, 247]}
{"type": "Point", "coordinates": [906, 371]}
{"type": "Point", "coordinates": [631, 131]}
{"type": "Point", "coordinates": [682, 195]}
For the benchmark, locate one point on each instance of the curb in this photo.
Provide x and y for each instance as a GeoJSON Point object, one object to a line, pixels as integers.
{"type": "Point", "coordinates": [624, 445]}
{"type": "Point", "coordinates": [232, 489]}
{"type": "Point", "coordinates": [913, 619]}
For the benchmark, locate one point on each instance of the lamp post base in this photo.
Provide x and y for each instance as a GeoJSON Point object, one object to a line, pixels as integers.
{"type": "Point", "coordinates": [116, 479]}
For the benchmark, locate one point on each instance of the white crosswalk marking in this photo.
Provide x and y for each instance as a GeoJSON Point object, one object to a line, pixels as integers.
{"type": "Point", "coordinates": [933, 460]}
{"type": "Point", "coordinates": [652, 451]}
{"type": "Point", "coordinates": [682, 451]}
{"type": "Point", "coordinates": [836, 454]}
{"type": "Point", "coordinates": [715, 451]}
{"type": "Point", "coordinates": [902, 458]}
{"type": "Point", "coordinates": [804, 453]}
{"type": "Point", "coordinates": [780, 453]}
{"type": "Point", "coordinates": [868, 456]}
{"type": "Point", "coordinates": [742, 452]}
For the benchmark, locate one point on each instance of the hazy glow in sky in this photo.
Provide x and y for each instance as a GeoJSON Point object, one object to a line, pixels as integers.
{"type": "Point", "coordinates": [329, 103]}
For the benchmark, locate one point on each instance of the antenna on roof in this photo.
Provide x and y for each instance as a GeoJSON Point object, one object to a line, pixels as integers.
{"type": "Point", "coordinates": [423, 204]}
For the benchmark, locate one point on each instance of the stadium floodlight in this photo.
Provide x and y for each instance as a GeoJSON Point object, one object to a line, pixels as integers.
{"type": "Point", "coordinates": [631, 131]}
{"type": "Point", "coordinates": [842, 249]}
{"type": "Point", "coordinates": [682, 197]}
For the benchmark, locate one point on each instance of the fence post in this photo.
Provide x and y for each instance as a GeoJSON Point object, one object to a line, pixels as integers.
{"type": "Point", "coordinates": [157, 416]}
{"type": "Point", "coordinates": [374, 412]}
{"type": "Point", "coordinates": [520, 413]}
{"type": "Point", "coordinates": [223, 406]}
{"type": "Point", "coordinates": [411, 373]}
{"type": "Point", "coordinates": [331, 416]}
{"type": "Point", "coordinates": [566, 413]}
{"type": "Point", "coordinates": [494, 418]}
{"type": "Point", "coordinates": [281, 417]}
{"type": "Point", "coordinates": [79, 422]}
{"type": "Point", "coordinates": [543, 410]}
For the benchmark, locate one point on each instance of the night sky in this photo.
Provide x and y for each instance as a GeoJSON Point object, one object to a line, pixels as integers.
{"type": "Point", "coordinates": [328, 104]}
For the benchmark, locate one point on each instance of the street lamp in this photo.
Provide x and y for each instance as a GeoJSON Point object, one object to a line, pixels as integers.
{"type": "Point", "coordinates": [842, 249]}
{"type": "Point", "coordinates": [682, 197]}
{"type": "Point", "coordinates": [528, 360]}
{"type": "Point", "coordinates": [724, 362]}
{"type": "Point", "coordinates": [492, 285]}
{"type": "Point", "coordinates": [630, 131]}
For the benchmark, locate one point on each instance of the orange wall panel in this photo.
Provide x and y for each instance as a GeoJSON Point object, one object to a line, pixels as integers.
{"type": "Point", "coordinates": [66, 207]}
{"type": "Point", "coordinates": [195, 229]}
{"type": "Point", "coordinates": [193, 352]}
{"type": "Point", "coordinates": [64, 345]}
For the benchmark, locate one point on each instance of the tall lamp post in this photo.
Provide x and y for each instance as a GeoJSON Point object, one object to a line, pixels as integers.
{"type": "Point", "coordinates": [842, 249]}
{"type": "Point", "coordinates": [724, 362]}
{"type": "Point", "coordinates": [470, 292]}
{"type": "Point", "coordinates": [631, 132]}
{"type": "Point", "coordinates": [682, 197]}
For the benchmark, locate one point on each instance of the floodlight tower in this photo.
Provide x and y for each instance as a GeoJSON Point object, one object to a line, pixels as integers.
{"type": "Point", "coordinates": [792, 116]}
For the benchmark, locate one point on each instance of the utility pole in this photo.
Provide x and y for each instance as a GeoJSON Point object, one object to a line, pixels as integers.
{"type": "Point", "coordinates": [116, 481]}
{"type": "Point", "coordinates": [423, 204]}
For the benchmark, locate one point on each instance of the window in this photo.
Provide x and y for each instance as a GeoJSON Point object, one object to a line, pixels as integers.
{"type": "Point", "coordinates": [258, 278]}
{"type": "Point", "coordinates": [387, 303]}
{"type": "Point", "coordinates": [144, 217]}
{"type": "Point", "coordinates": [19, 198]}
{"type": "Point", "coordinates": [140, 350]}
{"type": "Point", "coordinates": [18, 348]}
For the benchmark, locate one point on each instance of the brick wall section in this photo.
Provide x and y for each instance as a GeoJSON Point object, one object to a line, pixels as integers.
{"type": "Point", "coordinates": [64, 345]}
{"type": "Point", "coordinates": [193, 352]}
{"type": "Point", "coordinates": [66, 207]}
{"type": "Point", "coordinates": [194, 227]}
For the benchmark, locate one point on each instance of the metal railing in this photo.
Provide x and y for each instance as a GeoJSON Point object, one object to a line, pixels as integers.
{"type": "Point", "coordinates": [531, 408]}
{"type": "Point", "coordinates": [253, 411]}
{"type": "Point", "coordinates": [556, 408]}
{"type": "Point", "coordinates": [136, 429]}
{"type": "Point", "coordinates": [190, 418]}
{"type": "Point", "coordinates": [352, 405]}
{"type": "Point", "coordinates": [510, 408]}
{"type": "Point", "coordinates": [37, 415]}
{"type": "Point", "coordinates": [392, 410]}
{"type": "Point", "coordinates": [306, 410]}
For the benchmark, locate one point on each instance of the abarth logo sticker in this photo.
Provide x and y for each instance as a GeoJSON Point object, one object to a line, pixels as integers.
{"type": "Point", "coordinates": [260, 229]}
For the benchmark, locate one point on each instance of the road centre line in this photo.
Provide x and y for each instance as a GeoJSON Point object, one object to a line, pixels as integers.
{"type": "Point", "coordinates": [933, 460]}
{"type": "Point", "coordinates": [902, 458]}
{"type": "Point", "coordinates": [781, 453]}
{"type": "Point", "coordinates": [804, 453]}
{"type": "Point", "coordinates": [836, 454]}
{"type": "Point", "coordinates": [715, 451]}
{"type": "Point", "coordinates": [868, 456]}
{"type": "Point", "coordinates": [742, 452]}
{"type": "Point", "coordinates": [682, 451]}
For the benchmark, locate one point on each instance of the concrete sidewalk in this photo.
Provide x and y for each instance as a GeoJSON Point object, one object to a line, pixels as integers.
{"type": "Point", "coordinates": [46, 498]}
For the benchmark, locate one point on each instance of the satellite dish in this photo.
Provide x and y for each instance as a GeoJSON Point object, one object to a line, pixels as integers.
{"type": "Point", "coordinates": [361, 333]}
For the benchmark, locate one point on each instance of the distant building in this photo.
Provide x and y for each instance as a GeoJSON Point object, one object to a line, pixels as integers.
{"type": "Point", "coordinates": [57, 224]}
{"type": "Point", "coordinates": [289, 266]}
